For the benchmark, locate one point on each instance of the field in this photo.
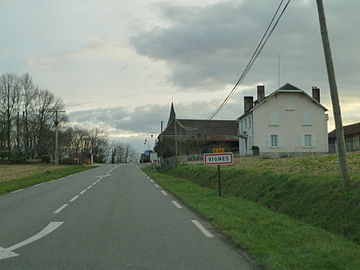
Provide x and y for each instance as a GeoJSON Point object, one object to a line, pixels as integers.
{"type": "Point", "coordinates": [310, 166]}
{"type": "Point", "coordinates": [11, 172]}
{"type": "Point", "coordinates": [14, 177]}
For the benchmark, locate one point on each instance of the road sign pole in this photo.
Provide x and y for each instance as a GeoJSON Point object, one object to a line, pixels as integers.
{"type": "Point", "coordinates": [219, 180]}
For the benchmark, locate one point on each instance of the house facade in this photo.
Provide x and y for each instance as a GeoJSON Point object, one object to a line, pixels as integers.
{"type": "Point", "coordinates": [288, 122]}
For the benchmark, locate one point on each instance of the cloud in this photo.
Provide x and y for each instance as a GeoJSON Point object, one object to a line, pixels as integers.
{"type": "Point", "coordinates": [207, 47]}
{"type": "Point", "coordinates": [140, 121]}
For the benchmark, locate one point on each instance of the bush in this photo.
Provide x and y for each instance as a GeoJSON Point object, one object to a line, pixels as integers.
{"type": "Point", "coordinates": [69, 161]}
{"type": "Point", "coordinates": [12, 157]}
{"type": "Point", "coordinates": [45, 158]}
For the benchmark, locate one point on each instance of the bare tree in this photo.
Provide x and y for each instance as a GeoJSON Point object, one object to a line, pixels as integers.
{"type": "Point", "coordinates": [10, 88]}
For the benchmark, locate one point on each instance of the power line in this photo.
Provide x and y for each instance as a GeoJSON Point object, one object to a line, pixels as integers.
{"type": "Point", "coordinates": [256, 53]}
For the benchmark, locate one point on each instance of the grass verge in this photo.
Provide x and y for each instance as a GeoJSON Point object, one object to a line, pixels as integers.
{"type": "Point", "coordinates": [41, 177]}
{"type": "Point", "coordinates": [318, 199]}
{"type": "Point", "coordinates": [275, 240]}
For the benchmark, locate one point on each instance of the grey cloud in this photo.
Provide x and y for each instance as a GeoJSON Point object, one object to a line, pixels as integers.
{"type": "Point", "coordinates": [208, 47]}
{"type": "Point", "coordinates": [146, 119]}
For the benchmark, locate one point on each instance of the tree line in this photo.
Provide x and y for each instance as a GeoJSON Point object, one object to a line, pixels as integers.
{"type": "Point", "coordinates": [27, 127]}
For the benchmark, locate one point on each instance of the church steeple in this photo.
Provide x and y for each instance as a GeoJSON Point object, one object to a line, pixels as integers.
{"type": "Point", "coordinates": [172, 116]}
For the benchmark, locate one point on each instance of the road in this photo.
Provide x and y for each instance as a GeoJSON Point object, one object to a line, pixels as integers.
{"type": "Point", "coordinates": [111, 217]}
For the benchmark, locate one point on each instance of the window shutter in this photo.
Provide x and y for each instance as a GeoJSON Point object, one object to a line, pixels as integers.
{"type": "Point", "coordinates": [279, 140]}
{"type": "Point", "coordinates": [313, 140]}
{"type": "Point", "coordinates": [268, 141]}
{"type": "Point", "coordinates": [302, 140]}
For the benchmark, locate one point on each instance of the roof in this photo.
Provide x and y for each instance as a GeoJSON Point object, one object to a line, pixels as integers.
{"type": "Point", "coordinates": [210, 129]}
{"type": "Point", "coordinates": [288, 88]}
{"type": "Point", "coordinates": [172, 114]}
{"type": "Point", "coordinates": [348, 130]}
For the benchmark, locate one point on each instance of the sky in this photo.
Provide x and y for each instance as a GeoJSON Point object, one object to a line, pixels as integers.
{"type": "Point", "coordinates": [118, 65]}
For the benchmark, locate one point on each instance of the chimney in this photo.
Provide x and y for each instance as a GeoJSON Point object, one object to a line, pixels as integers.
{"type": "Point", "coordinates": [260, 93]}
{"type": "Point", "coordinates": [316, 93]}
{"type": "Point", "coordinates": [248, 103]}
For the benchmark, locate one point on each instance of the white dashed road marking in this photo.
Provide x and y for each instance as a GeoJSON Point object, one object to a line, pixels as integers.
{"type": "Point", "coordinates": [202, 229]}
{"type": "Point", "coordinates": [60, 209]}
{"type": "Point", "coordinates": [73, 199]}
{"type": "Point", "coordinates": [17, 190]}
{"type": "Point", "coordinates": [176, 204]}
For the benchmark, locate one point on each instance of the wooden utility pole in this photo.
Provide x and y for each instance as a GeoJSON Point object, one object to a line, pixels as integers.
{"type": "Point", "coordinates": [161, 144]}
{"type": "Point", "coordinates": [56, 123]}
{"type": "Point", "coordinates": [334, 98]}
{"type": "Point", "coordinates": [176, 143]}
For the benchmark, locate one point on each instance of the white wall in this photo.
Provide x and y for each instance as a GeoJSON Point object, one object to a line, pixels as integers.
{"type": "Point", "coordinates": [246, 128]}
{"type": "Point", "coordinates": [290, 115]}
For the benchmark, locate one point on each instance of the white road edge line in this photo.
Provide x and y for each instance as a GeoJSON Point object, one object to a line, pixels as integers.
{"type": "Point", "coordinates": [82, 192]}
{"type": "Point", "coordinates": [152, 181]}
{"type": "Point", "coordinates": [156, 186]}
{"type": "Point", "coordinates": [176, 204]}
{"type": "Point", "coordinates": [202, 229]}
{"type": "Point", "coordinates": [163, 192]}
{"type": "Point", "coordinates": [73, 199]}
{"type": "Point", "coordinates": [15, 191]}
{"type": "Point", "coordinates": [60, 209]}
{"type": "Point", "coordinates": [8, 252]}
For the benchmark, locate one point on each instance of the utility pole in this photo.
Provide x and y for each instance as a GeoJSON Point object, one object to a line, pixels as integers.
{"type": "Point", "coordinates": [176, 143]}
{"type": "Point", "coordinates": [56, 123]}
{"type": "Point", "coordinates": [161, 143]}
{"type": "Point", "coordinates": [334, 97]}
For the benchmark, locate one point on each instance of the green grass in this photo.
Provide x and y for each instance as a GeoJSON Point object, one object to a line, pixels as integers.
{"type": "Point", "coordinates": [41, 177]}
{"type": "Point", "coordinates": [314, 199]}
{"type": "Point", "coordinates": [277, 241]}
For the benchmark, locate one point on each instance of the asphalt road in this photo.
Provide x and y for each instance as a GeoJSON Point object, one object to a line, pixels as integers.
{"type": "Point", "coordinates": [111, 217]}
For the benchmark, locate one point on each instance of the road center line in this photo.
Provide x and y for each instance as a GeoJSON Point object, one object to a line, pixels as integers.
{"type": "Point", "coordinates": [60, 209]}
{"type": "Point", "coordinates": [73, 199]}
{"type": "Point", "coordinates": [163, 192]}
{"type": "Point", "coordinates": [82, 192]}
{"type": "Point", "coordinates": [202, 229]}
{"type": "Point", "coordinates": [176, 204]}
{"type": "Point", "coordinates": [89, 187]}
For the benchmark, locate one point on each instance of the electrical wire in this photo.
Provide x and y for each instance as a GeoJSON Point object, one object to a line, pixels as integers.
{"type": "Point", "coordinates": [255, 55]}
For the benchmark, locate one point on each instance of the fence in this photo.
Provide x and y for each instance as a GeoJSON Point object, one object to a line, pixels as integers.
{"type": "Point", "coordinates": [350, 147]}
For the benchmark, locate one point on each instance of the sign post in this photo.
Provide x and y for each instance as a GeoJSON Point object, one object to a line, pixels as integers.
{"type": "Point", "coordinates": [218, 159]}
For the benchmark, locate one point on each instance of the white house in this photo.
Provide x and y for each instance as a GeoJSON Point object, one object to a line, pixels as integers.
{"type": "Point", "coordinates": [288, 122]}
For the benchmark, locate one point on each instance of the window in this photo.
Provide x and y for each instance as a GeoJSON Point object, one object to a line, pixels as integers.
{"type": "Point", "coordinates": [307, 119]}
{"type": "Point", "coordinates": [242, 125]}
{"type": "Point", "coordinates": [290, 104]}
{"type": "Point", "coordinates": [245, 123]}
{"type": "Point", "coordinates": [250, 122]}
{"type": "Point", "coordinates": [273, 119]}
{"type": "Point", "coordinates": [308, 140]}
{"type": "Point", "coordinates": [274, 140]}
